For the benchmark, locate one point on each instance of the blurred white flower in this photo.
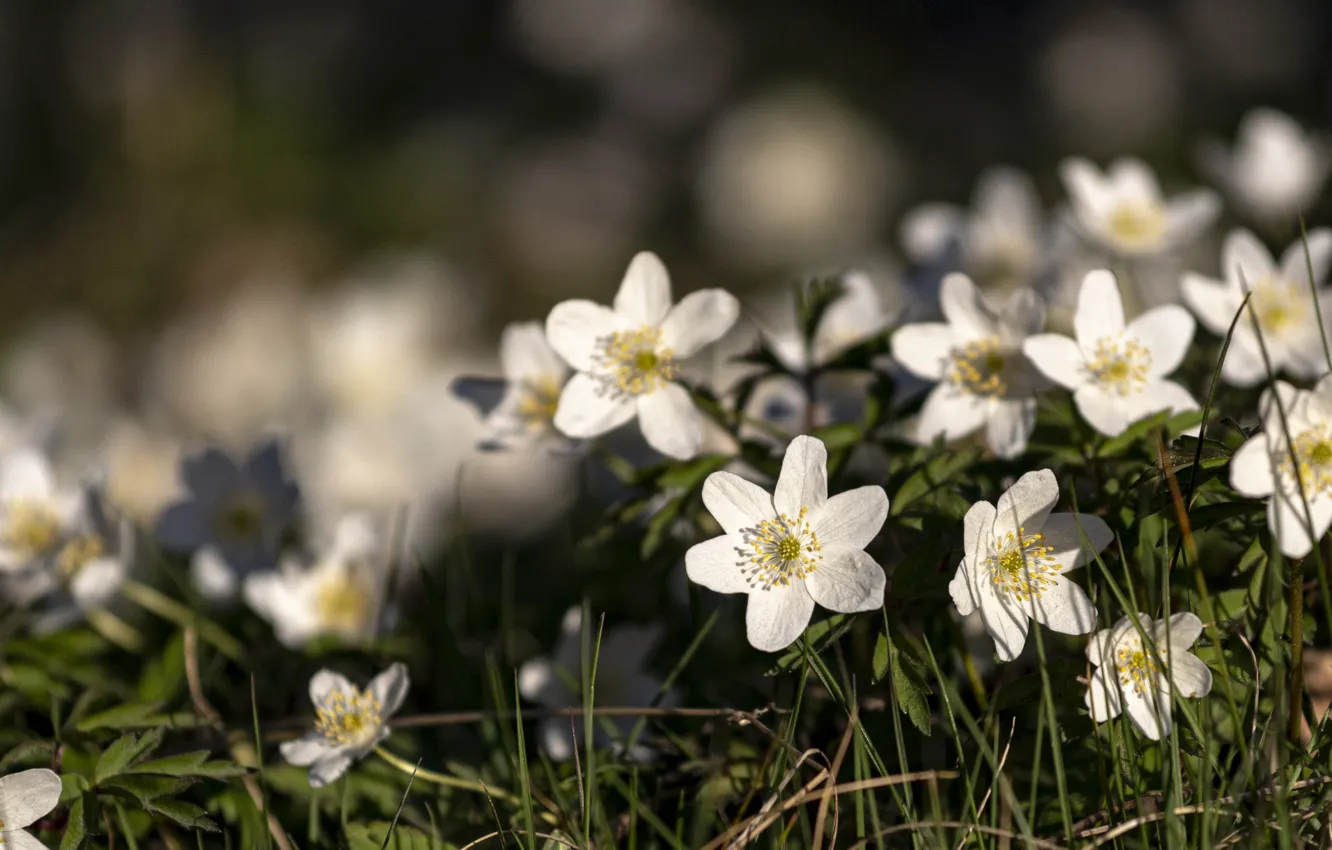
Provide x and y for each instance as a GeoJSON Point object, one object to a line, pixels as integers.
{"type": "Point", "coordinates": [25, 798]}
{"type": "Point", "coordinates": [534, 375]}
{"type": "Point", "coordinates": [349, 722]}
{"type": "Point", "coordinates": [1117, 373]}
{"type": "Point", "coordinates": [555, 682]}
{"type": "Point", "coordinates": [586, 36]}
{"type": "Point", "coordinates": [1123, 210]}
{"type": "Point", "coordinates": [1016, 554]}
{"type": "Point", "coordinates": [1276, 170]}
{"type": "Point", "coordinates": [793, 548]}
{"type": "Point", "coordinates": [1129, 677]}
{"type": "Point", "coordinates": [1000, 242]}
{"type": "Point", "coordinates": [1282, 301]}
{"type": "Point", "coordinates": [984, 380]}
{"type": "Point", "coordinates": [140, 466]}
{"type": "Point", "coordinates": [339, 594]}
{"type": "Point", "coordinates": [625, 358]}
{"type": "Point", "coordinates": [232, 517]}
{"type": "Point", "coordinates": [1295, 475]}
{"type": "Point", "coordinates": [36, 513]}
{"type": "Point", "coordinates": [857, 315]}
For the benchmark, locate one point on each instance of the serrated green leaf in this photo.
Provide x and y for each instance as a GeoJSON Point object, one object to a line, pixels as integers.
{"type": "Point", "coordinates": [909, 685]}
{"type": "Point", "coordinates": [185, 814]}
{"type": "Point", "coordinates": [190, 764]}
{"type": "Point", "coordinates": [80, 825]}
{"type": "Point", "coordinates": [145, 787]}
{"type": "Point", "coordinates": [124, 751]}
{"type": "Point", "coordinates": [129, 715]}
{"type": "Point", "coordinates": [28, 752]}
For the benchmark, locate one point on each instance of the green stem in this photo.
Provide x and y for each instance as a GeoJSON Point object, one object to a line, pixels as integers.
{"type": "Point", "coordinates": [182, 615]}
{"type": "Point", "coordinates": [442, 779]}
{"type": "Point", "coordinates": [1293, 722]}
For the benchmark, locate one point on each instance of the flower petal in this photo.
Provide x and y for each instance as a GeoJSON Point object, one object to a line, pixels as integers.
{"type": "Point", "coordinates": [1103, 699]}
{"type": "Point", "coordinates": [1295, 264]}
{"type": "Point", "coordinates": [1189, 675]}
{"type": "Point", "coordinates": [964, 308]}
{"type": "Point", "coordinates": [1058, 358]}
{"type": "Point", "coordinates": [1251, 472]}
{"type": "Point", "coordinates": [1288, 522]}
{"type": "Point", "coordinates": [777, 616]}
{"type": "Point", "coordinates": [586, 409]}
{"type": "Point", "coordinates": [390, 688]}
{"type": "Point", "coordinates": [1243, 366]}
{"type": "Point", "coordinates": [715, 564]}
{"type": "Point", "coordinates": [1156, 397]}
{"type": "Point", "coordinates": [803, 482]}
{"type": "Point", "coordinates": [1133, 178]}
{"type": "Point", "coordinates": [1149, 713]}
{"type": "Point", "coordinates": [700, 318]}
{"type": "Point", "coordinates": [98, 582]}
{"type": "Point", "coordinates": [1245, 261]}
{"type": "Point", "coordinates": [1214, 302]}
{"type": "Point", "coordinates": [326, 682]}
{"type": "Point", "coordinates": [209, 472]}
{"type": "Point", "coordinates": [1023, 314]}
{"type": "Point", "coordinates": [645, 292]}
{"type": "Point", "coordinates": [853, 518]}
{"type": "Point", "coordinates": [960, 589]}
{"type": "Point", "coordinates": [1064, 534]}
{"type": "Point", "coordinates": [1089, 192]}
{"type": "Point", "coordinates": [735, 503]}
{"type": "Point", "coordinates": [306, 750]}
{"type": "Point", "coordinates": [577, 329]}
{"type": "Point", "coordinates": [847, 580]}
{"type": "Point", "coordinates": [1027, 503]}
{"type": "Point", "coordinates": [28, 796]}
{"type": "Point", "coordinates": [182, 527]}
{"type": "Point", "coordinates": [1010, 426]}
{"type": "Point", "coordinates": [950, 413]}
{"type": "Point", "coordinates": [330, 768]}
{"type": "Point", "coordinates": [925, 349]}
{"type": "Point", "coordinates": [19, 839]}
{"type": "Point", "coordinates": [929, 230]}
{"type": "Point", "coordinates": [525, 354]}
{"type": "Point", "coordinates": [1166, 331]}
{"type": "Point", "coordinates": [1103, 411]}
{"type": "Point", "coordinates": [1064, 608]}
{"type": "Point", "coordinates": [670, 422]}
{"type": "Point", "coordinates": [1100, 311]}
{"type": "Point", "coordinates": [1006, 623]}
{"type": "Point", "coordinates": [1190, 213]}
{"type": "Point", "coordinates": [977, 531]}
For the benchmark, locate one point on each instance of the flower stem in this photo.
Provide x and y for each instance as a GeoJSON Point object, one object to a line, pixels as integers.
{"type": "Point", "coordinates": [442, 779]}
{"type": "Point", "coordinates": [1294, 724]}
{"type": "Point", "coordinates": [182, 615]}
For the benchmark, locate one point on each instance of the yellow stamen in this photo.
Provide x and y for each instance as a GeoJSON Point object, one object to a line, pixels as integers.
{"type": "Point", "coordinates": [1137, 224]}
{"type": "Point", "coordinates": [33, 529]}
{"type": "Point", "coordinates": [983, 367]}
{"type": "Point", "coordinates": [1137, 668]}
{"type": "Point", "coordinates": [1121, 364]}
{"type": "Point", "coordinates": [79, 553]}
{"type": "Point", "coordinates": [779, 550]}
{"type": "Point", "coordinates": [349, 719]}
{"type": "Point", "coordinates": [1313, 462]}
{"type": "Point", "coordinates": [1023, 565]}
{"type": "Point", "coordinates": [536, 407]}
{"type": "Point", "coordinates": [635, 360]}
{"type": "Point", "coordinates": [342, 604]}
{"type": "Point", "coordinates": [1279, 306]}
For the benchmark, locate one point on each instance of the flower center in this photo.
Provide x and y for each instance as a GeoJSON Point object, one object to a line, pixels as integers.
{"type": "Point", "coordinates": [79, 553]}
{"type": "Point", "coordinates": [241, 519]}
{"type": "Point", "coordinates": [1136, 667]}
{"type": "Point", "coordinates": [536, 406]}
{"type": "Point", "coordinates": [779, 550]}
{"type": "Point", "coordinates": [33, 528]}
{"type": "Point", "coordinates": [1312, 465]}
{"type": "Point", "coordinates": [1023, 565]}
{"type": "Point", "coordinates": [983, 367]}
{"type": "Point", "coordinates": [1137, 224]}
{"type": "Point", "coordinates": [635, 361]}
{"type": "Point", "coordinates": [1120, 365]}
{"type": "Point", "coordinates": [349, 719]}
{"type": "Point", "coordinates": [341, 604]}
{"type": "Point", "coordinates": [1278, 305]}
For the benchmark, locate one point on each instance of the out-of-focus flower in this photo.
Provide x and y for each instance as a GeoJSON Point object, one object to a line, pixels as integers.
{"type": "Point", "coordinates": [1295, 475]}
{"type": "Point", "coordinates": [1276, 169]}
{"type": "Point", "coordinates": [141, 466]}
{"type": "Point", "coordinates": [621, 680]}
{"type": "Point", "coordinates": [855, 316]}
{"type": "Point", "coordinates": [1016, 555]}
{"type": "Point", "coordinates": [36, 513]}
{"type": "Point", "coordinates": [534, 375]}
{"type": "Point", "coordinates": [349, 722]}
{"type": "Point", "coordinates": [625, 358]}
{"type": "Point", "coordinates": [25, 798]}
{"type": "Point", "coordinates": [339, 594]}
{"type": "Point", "coordinates": [1282, 302]}
{"type": "Point", "coordinates": [1000, 242]}
{"type": "Point", "coordinates": [1123, 210]}
{"type": "Point", "coordinates": [1128, 676]}
{"type": "Point", "coordinates": [984, 380]}
{"type": "Point", "coordinates": [792, 548]}
{"type": "Point", "coordinates": [233, 515]}
{"type": "Point", "coordinates": [1117, 373]}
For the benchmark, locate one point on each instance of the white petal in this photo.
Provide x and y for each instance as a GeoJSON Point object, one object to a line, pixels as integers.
{"type": "Point", "coordinates": [1103, 411]}
{"type": "Point", "coordinates": [960, 589]}
{"type": "Point", "coordinates": [1132, 178]}
{"type": "Point", "coordinates": [1189, 675]}
{"type": "Point", "coordinates": [1065, 608]}
{"type": "Point", "coordinates": [735, 503]}
{"type": "Point", "coordinates": [1010, 426]}
{"type": "Point", "coordinates": [929, 230]}
{"type": "Point", "coordinates": [1058, 358]}
{"type": "Point", "coordinates": [330, 768]}
{"type": "Point", "coordinates": [715, 564]}
{"type": "Point", "coordinates": [1089, 192]}
{"type": "Point", "coordinates": [1006, 196]}
{"type": "Point", "coordinates": [925, 349]}
{"type": "Point", "coordinates": [645, 293]}
{"type": "Point", "coordinates": [977, 531]}
{"type": "Point", "coordinates": [390, 688]}
{"type": "Point", "coordinates": [964, 308]}
{"type": "Point", "coordinates": [1026, 504]}
{"type": "Point", "coordinates": [1277, 399]}
{"type": "Point", "coordinates": [326, 682]}
{"type": "Point", "coordinates": [1190, 213]}
{"type": "Point", "coordinates": [28, 796]}
{"type": "Point", "coordinates": [1245, 261]}
{"type": "Point", "coordinates": [306, 750]}
{"type": "Point", "coordinates": [1289, 522]}
{"type": "Point", "coordinates": [1006, 623]}
{"type": "Point", "coordinates": [1156, 397]}
{"type": "Point", "coordinates": [700, 318]}
{"type": "Point", "coordinates": [777, 616]}
{"type": "Point", "coordinates": [853, 518]}
{"type": "Point", "coordinates": [1065, 534]}
{"type": "Point", "coordinates": [26, 475]}
{"type": "Point", "coordinates": [578, 329]}
{"type": "Point", "coordinates": [1251, 472]}
{"type": "Point", "coordinates": [803, 482]}
{"type": "Point", "coordinates": [98, 582]}
{"type": "Point", "coordinates": [950, 413]}
{"type": "Point", "coordinates": [557, 738]}
{"type": "Point", "coordinates": [1295, 264]}
{"type": "Point", "coordinates": [1166, 331]}
{"type": "Point", "coordinates": [1150, 713]}
{"type": "Point", "coordinates": [1023, 314]}
{"type": "Point", "coordinates": [1243, 366]}
{"type": "Point", "coordinates": [539, 682]}
{"type": "Point", "coordinates": [525, 354]}
{"type": "Point", "coordinates": [1103, 697]}
{"type": "Point", "coordinates": [586, 409]}
{"type": "Point", "coordinates": [1100, 310]}
{"type": "Point", "coordinates": [1214, 302]}
{"type": "Point", "coordinates": [670, 422]}
{"type": "Point", "coordinates": [847, 580]}
{"type": "Point", "coordinates": [216, 580]}
{"type": "Point", "coordinates": [20, 840]}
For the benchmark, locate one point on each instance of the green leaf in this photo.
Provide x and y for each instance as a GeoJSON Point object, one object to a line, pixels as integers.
{"type": "Point", "coordinates": [127, 716]}
{"type": "Point", "coordinates": [660, 526]}
{"type": "Point", "coordinates": [82, 818]}
{"type": "Point", "coordinates": [124, 751]}
{"type": "Point", "coordinates": [909, 684]}
{"type": "Point", "coordinates": [146, 787]}
{"type": "Point", "coordinates": [686, 476]}
{"type": "Point", "coordinates": [937, 472]}
{"type": "Point", "coordinates": [1133, 434]}
{"type": "Point", "coordinates": [839, 435]}
{"type": "Point", "coordinates": [880, 663]}
{"type": "Point", "coordinates": [820, 636]}
{"type": "Point", "coordinates": [190, 764]}
{"type": "Point", "coordinates": [1205, 516]}
{"type": "Point", "coordinates": [29, 752]}
{"type": "Point", "coordinates": [373, 836]}
{"type": "Point", "coordinates": [186, 814]}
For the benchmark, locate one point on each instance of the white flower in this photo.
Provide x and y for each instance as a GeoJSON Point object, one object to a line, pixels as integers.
{"type": "Point", "coordinates": [856, 315]}
{"type": "Point", "coordinates": [25, 798]}
{"type": "Point", "coordinates": [1282, 302]}
{"type": "Point", "coordinates": [337, 595]}
{"type": "Point", "coordinates": [626, 358]}
{"type": "Point", "coordinates": [1117, 372]}
{"type": "Point", "coordinates": [349, 722]}
{"type": "Point", "coordinates": [1291, 474]}
{"type": "Point", "coordinates": [1128, 675]}
{"type": "Point", "coordinates": [1016, 557]}
{"type": "Point", "coordinates": [35, 512]}
{"type": "Point", "coordinates": [232, 517]}
{"type": "Point", "coordinates": [1276, 169]}
{"type": "Point", "coordinates": [976, 357]}
{"type": "Point", "coordinates": [621, 681]}
{"type": "Point", "coordinates": [1124, 211]}
{"type": "Point", "coordinates": [534, 376]}
{"type": "Point", "coordinates": [793, 548]}
{"type": "Point", "coordinates": [1000, 241]}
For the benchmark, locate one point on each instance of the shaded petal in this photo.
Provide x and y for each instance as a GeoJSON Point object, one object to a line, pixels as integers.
{"type": "Point", "coordinates": [1133, 178]}
{"type": "Point", "coordinates": [929, 230]}
{"type": "Point", "coordinates": [1251, 472]}
{"type": "Point", "coordinates": [525, 354]}
{"type": "Point", "coordinates": [978, 530]}
{"type": "Point", "coordinates": [1100, 311]}
{"type": "Point", "coordinates": [1064, 608]}
{"type": "Point", "coordinates": [1010, 426]}
{"type": "Point", "coordinates": [960, 589]}
{"type": "Point", "coordinates": [644, 296]}
{"type": "Point", "coordinates": [1156, 397]}
{"type": "Point", "coordinates": [1150, 713]}
{"type": "Point", "coordinates": [777, 616]}
{"type": "Point", "coordinates": [183, 527]}
{"type": "Point", "coordinates": [1245, 261]}
{"type": "Point", "coordinates": [1006, 623]}
{"type": "Point", "coordinates": [558, 738]}
{"type": "Point", "coordinates": [735, 503]}
{"type": "Point", "coordinates": [1189, 675]}
{"type": "Point", "coordinates": [1065, 533]}
{"type": "Point", "coordinates": [700, 318]}
{"type": "Point", "coordinates": [803, 482]}
{"type": "Point", "coordinates": [326, 682]}
{"type": "Point", "coordinates": [925, 349]}
{"type": "Point", "coordinates": [1214, 302]}
{"type": "Point", "coordinates": [716, 564]}
{"type": "Point", "coordinates": [1103, 699]}
{"type": "Point", "coordinates": [1295, 264]}
{"type": "Point", "coordinates": [1287, 520]}
{"type": "Point", "coordinates": [25, 474]}
{"type": "Point", "coordinates": [964, 308]}
{"type": "Point", "coordinates": [1243, 366]}
{"type": "Point", "coordinates": [1027, 503]}
{"type": "Point", "coordinates": [19, 840]}
{"type": "Point", "coordinates": [98, 582]}
{"type": "Point", "coordinates": [306, 750]}
{"type": "Point", "coordinates": [330, 768]}
{"type": "Point", "coordinates": [1058, 358]}
{"type": "Point", "coordinates": [578, 329]}
{"type": "Point", "coordinates": [390, 688]}
{"type": "Point", "coordinates": [1091, 195]}
{"type": "Point", "coordinates": [1103, 411]}
{"type": "Point", "coordinates": [1190, 213]}
{"type": "Point", "coordinates": [216, 580]}
{"type": "Point", "coordinates": [538, 682]}
{"type": "Point", "coordinates": [670, 422]}
{"type": "Point", "coordinates": [1185, 629]}
{"type": "Point", "coordinates": [28, 796]}
{"type": "Point", "coordinates": [1022, 315]}
{"type": "Point", "coordinates": [847, 580]}
{"type": "Point", "coordinates": [853, 518]}
{"type": "Point", "coordinates": [586, 409]}
{"type": "Point", "coordinates": [1166, 331]}
{"type": "Point", "coordinates": [209, 472]}
{"type": "Point", "coordinates": [950, 413]}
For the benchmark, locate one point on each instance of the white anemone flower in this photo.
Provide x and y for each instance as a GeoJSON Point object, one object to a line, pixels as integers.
{"type": "Point", "coordinates": [1129, 675]}
{"type": "Point", "coordinates": [1117, 372]}
{"type": "Point", "coordinates": [984, 380]}
{"type": "Point", "coordinates": [534, 376]}
{"type": "Point", "coordinates": [349, 722]}
{"type": "Point", "coordinates": [337, 595]}
{"type": "Point", "coordinates": [555, 682]}
{"type": "Point", "coordinates": [1282, 301]}
{"type": "Point", "coordinates": [1276, 169]}
{"type": "Point", "coordinates": [25, 798]}
{"type": "Point", "coordinates": [792, 548]}
{"type": "Point", "coordinates": [1291, 474]}
{"type": "Point", "coordinates": [1124, 211]}
{"type": "Point", "coordinates": [1017, 555]}
{"type": "Point", "coordinates": [626, 358]}
{"type": "Point", "coordinates": [36, 513]}
{"type": "Point", "coordinates": [232, 518]}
